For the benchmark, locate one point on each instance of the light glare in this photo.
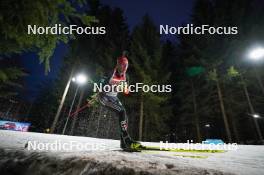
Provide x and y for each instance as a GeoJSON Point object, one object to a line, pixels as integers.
{"type": "Point", "coordinates": [257, 54]}
{"type": "Point", "coordinates": [81, 79]}
{"type": "Point", "coordinates": [256, 116]}
{"type": "Point", "coordinates": [207, 125]}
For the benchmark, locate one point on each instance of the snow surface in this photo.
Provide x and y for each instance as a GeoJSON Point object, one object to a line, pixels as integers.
{"type": "Point", "coordinates": [16, 159]}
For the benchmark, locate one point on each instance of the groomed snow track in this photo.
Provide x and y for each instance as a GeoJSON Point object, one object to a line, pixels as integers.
{"type": "Point", "coordinates": [15, 159]}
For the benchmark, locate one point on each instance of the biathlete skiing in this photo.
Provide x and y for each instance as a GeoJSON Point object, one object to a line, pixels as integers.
{"type": "Point", "coordinates": [111, 101]}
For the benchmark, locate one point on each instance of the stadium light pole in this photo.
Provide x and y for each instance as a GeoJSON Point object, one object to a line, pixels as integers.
{"type": "Point", "coordinates": [207, 128]}
{"type": "Point", "coordinates": [256, 55]}
{"type": "Point", "coordinates": [80, 79]}
{"type": "Point", "coordinates": [54, 123]}
{"type": "Point", "coordinates": [251, 108]}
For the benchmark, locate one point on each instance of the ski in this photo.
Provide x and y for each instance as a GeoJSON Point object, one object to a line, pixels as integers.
{"type": "Point", "coordinates": [131, 150]}
{"type": "Point", "coordinates": [153, 148]}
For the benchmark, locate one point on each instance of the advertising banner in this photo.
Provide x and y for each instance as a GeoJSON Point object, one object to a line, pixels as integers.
{"type": "Point", "coordinates": [15, 126]}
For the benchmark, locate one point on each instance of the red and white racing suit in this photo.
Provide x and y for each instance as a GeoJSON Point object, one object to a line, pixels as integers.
{"type": "Point", "coordinates": [111, 100]}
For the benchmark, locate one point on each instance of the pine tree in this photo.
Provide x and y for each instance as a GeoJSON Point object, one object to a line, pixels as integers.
{"type": "Point", "coordinates": [149, 68]}
{"type": "Point", "coordinates": [217, 55]}
{"type": "Point", "coordinates": [11, 74]}
{"type": "Point", "coordinates": [15, 18]}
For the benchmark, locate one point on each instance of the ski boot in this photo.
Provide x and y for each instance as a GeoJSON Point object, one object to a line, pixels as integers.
{"type": "Point", "coordinates": [131, 145]}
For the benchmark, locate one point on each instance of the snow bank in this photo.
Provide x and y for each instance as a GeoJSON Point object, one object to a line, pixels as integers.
{"type": "Point", "coordinates": [16, 159]}
{"type": "Point", "coordinates": [20, 162]}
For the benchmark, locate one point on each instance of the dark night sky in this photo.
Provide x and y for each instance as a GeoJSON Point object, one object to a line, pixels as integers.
{"type": "Point", "coordinates": [172, 12]}
{"type": "Point", "coordinates": [37, 71]}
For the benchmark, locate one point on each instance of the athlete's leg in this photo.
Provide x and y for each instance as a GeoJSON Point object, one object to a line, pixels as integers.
{"type": "Point", "coordinates": [125, 138]}
{"type": "Point", "coordinates": [114, 104]}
